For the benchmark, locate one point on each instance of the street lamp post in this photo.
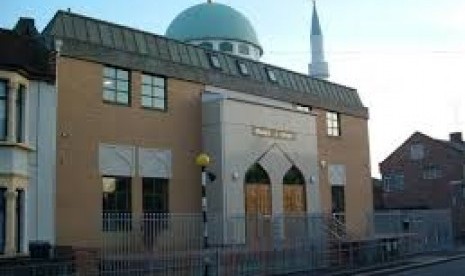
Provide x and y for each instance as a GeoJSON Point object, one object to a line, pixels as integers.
{"type": "Point", "coordinates": [203, 160]}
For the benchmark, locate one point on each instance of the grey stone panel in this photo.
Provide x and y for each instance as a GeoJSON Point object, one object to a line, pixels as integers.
{"type": "Point", "coordinates": [92, 30]}
{"type": "Point", "coordinates": [129, 40]}
{"type": "Point", "coordinates": [193, 56]}
{"type": "Point", "coordinates": [174, 53]}
{"type": "Point", "coordinates": [292, 81]}
{"type": "Point", "coordinates": [184, 54]}
{"type": "Point", "coordinates": [224, 64]}
{"type": "Point", "coordinates": [311, 86]}
{"type": "Point", "coordinates": [106, 34]}
{"type": "Point", "coordinates": [141, 44]}
{"type": "Point", "coordinates": [254, 71]}
{"type": "Point", "coordinates": [152, 46]}
{"type": "Point", "coordinates": [345, 97]}
{"type": "Point", "coordinates": [80, 29]}
{"type": "Point", "coordinates": [163, 48]}
{"type": "Point", "coordinates": [68, 26]}
{"type": "Point", "coordinates": [304, 84]}
{"type": "Point", "coordinates": [285, 79]}
{"type": "Point", "coordinates": [118, 38]}
{"type": "Point", "coordinates": [300, 85]}
{"type": "Point", "coordinates": [203, 58]}
{"type": "Point", "coordinates": [262, 73]}
{"type": "Point", "coordinates": [232, 66]}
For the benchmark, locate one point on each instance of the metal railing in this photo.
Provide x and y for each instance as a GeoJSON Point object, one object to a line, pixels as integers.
{"type": "Point", "coordinates": [171, 244]}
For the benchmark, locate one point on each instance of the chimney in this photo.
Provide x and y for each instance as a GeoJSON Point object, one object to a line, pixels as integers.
{"type": "Point", "coordinates": [26, 26]}
{"type": "Point", "coordinates": [456, 137]}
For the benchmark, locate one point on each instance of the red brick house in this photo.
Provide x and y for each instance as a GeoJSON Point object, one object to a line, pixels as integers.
{"type": "Point", "coordinates": [427, 173]}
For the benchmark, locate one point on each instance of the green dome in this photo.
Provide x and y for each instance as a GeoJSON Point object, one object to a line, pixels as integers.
{"type": "Point", "coordinates": [212, 21]}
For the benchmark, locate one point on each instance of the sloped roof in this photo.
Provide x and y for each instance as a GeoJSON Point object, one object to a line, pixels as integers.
{"type": "Point", "coordinates": [108, 43]}
{"type": "Point", "coordinates": [444, 143]}
{"type": "Point", "coordinates": [26, 55]}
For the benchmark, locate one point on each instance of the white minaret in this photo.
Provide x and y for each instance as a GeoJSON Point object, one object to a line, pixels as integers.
{"type": "Point", "coordinates": [319, 67]}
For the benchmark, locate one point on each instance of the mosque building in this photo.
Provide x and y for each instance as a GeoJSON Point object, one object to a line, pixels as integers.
{"type": "Point", "coordinates": [130, 111]}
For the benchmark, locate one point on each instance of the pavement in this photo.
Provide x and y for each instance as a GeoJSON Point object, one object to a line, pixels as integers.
{"type": "Point", "coordinates": [413, 265]}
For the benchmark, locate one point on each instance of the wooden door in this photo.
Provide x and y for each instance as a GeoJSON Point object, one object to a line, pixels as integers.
{"type": "Point", "coordinates": [294, 199]}
{"type": "Point", "coordinates": [258, 199]}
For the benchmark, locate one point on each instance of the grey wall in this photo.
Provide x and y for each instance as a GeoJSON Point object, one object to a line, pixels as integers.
{"type": "Point", "coordinates": [228, 121]}
{"type": "Point", "coordinates": [40, 195]}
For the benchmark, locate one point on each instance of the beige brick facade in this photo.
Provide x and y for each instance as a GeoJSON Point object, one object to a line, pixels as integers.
{"type": "Point", "coordinates": [84, 121]}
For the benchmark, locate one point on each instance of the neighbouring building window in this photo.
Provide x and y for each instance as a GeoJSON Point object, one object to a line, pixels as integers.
{"type": "Point", "coordinates": [116, 85]}
{"type": "Point", "coordinates": [3, 109]}
{"type": "Point", "coordinates": [20, 114]}
{"type": "Point", "coordinates": [116, 203]}
{"type": "Point", "coordinates": [153, 92]}
{"type": "Point", "coordinates": [432, 172]}
{"type": "Point", "coordinates": [393, 182]}
{"type": "Point", "coordinates": [155, 195]}
{"type": "Point", "coordinates": [215, 61]}
{"type": "Point", "coordinates": [243, 69]}
{"type": "Point", "coordinates": [333, 123]}
{"type": "Point", "coordinates": [338, 199]}
{"type": "Point", "coordinates": [417, 152]}
{"type": "Point", "coordinates": [303, 108]}
{"type": "Point", "coordinates": [244, 49]}
{"type": "Point", "coordinates": [226, 47]}
{"type": "Point", "coordinates": [206, 45]}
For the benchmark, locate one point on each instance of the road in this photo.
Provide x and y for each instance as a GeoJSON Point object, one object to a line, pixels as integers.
{"type": "Point", "coordinates": [453, 268]}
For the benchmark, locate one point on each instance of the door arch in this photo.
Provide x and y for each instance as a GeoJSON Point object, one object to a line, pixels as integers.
{"type": "Point", "coordinates": [294, 196]}
{"type": "Point", "coordinates": [257, 191]}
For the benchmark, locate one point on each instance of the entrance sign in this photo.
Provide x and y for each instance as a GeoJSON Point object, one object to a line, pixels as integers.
{"type": "Point", "coordinates": [273, 133]}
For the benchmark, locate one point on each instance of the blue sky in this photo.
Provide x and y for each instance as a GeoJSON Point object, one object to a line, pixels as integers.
{"type": "Point", "coordinates": [406, 57]}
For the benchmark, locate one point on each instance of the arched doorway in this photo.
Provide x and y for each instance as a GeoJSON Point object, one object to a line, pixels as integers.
{"type": "Point", "coordinates": [257, 191]}
{"type": "Point", "coordinates": [294, 200]}
{"type": "Point", "coordinates": [294, 205]}
{"type": "Point", "coordinates": [258, 206]}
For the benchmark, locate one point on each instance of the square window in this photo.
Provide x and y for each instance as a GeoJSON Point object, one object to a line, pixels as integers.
{"type": "Point", "coordinates": [159, 92]}
{"type": "Point", "coordinates": [147, 79]}
{"type": "Point", "coordinates": [108, 83]}
{"type": "Point", "coordinates": [122, 86]}
{"type": "Point", "coordinates": [155, 195]}
{"type": "Point", "coordinates": [115, 85]}
{"type": "Point", "coordinates": [160, 82]}
{"type": "Point", "coordinates": [122, 74]}
{"type": "Point", "coordinates": [146, 90]}
{"type": "Point", "coordinates": [417, 151]}
{"type": "Point", "coordinates": [159, 103]}
{"type": "Point", "coordinates": [109, 72]}
{"type": "Point", "coordinates": [122, 98]}
{"type": "Point", "coordinates": [333, 123]}
{"type": "Point", "coordinates": [116, 203]}
{"type": "Point", "coordinates": [146, 101]}
{"type": "Point", "coordinates": [153, 92]}
{"type": "Point", "coordinates": [108, 95]}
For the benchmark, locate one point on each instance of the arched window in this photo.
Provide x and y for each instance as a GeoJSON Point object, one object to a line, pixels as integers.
{"type": "Point", "coordinates": [206, 45]}
{"type": "Point", "coordinates": [257, 175]}
{"type": "Point", "coordinates": [226, 47]}
{"type": "Point", "coordinates": [293, 177]}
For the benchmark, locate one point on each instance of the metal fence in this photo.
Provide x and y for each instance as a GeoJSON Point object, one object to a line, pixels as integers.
{"type": "Point", "coordinates": [171, 244]}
